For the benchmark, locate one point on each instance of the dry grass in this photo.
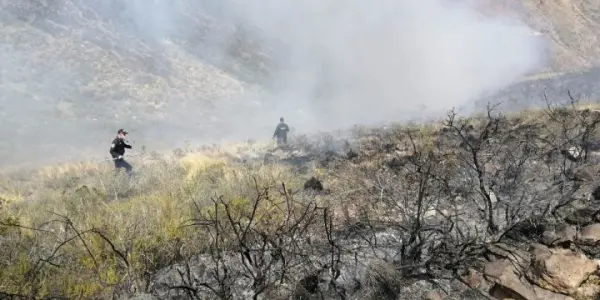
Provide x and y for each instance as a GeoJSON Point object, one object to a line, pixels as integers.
{"type": "Point", "coordinates": [146, 218]}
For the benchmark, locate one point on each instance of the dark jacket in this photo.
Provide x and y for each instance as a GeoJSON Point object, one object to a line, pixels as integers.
{"type": "Point", "coordinates": [118, 147]}
{"type": "Point", "coordinates": [281, 130]}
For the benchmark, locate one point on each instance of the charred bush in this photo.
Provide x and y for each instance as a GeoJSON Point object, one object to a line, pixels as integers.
{"type": "Point", "coordinates": [313, 184]}
{"type": "Point", "coordinates": [530, 229]}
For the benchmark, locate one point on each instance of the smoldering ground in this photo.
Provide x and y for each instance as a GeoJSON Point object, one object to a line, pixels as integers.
{"type": "Point", "coordinates": [331, 64]}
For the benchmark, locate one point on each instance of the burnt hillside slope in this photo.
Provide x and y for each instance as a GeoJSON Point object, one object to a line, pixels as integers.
{"type": "Point", "coordinates": [447, 210]}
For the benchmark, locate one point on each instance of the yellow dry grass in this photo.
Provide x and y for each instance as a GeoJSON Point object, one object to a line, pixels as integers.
{"type": "Point", "coordinates": [197, 163]}
{"type": "Point", "coordinates": [147, 219]}
{"type": "Point", "coordinates": [53, 172]}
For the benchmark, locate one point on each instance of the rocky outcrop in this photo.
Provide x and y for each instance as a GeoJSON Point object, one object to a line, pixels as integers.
{"type": "Point", "coordinates": [546, 271]}
{"type": "Point", "coordinates": [508, 283]}
{"type": "Point", "coordinates": [560, 270]}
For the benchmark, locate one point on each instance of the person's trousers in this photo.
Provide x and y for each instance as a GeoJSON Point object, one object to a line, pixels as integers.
{"type": "Point", "coordinates": [121, 163]}
{"type": "Point", "coordinates": [281, 140]}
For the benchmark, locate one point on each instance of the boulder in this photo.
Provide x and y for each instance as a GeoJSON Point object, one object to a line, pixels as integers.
{"type": "Point", "coordinates": [590, 235]}
{"type": "Point", "coordinates": [507, 283]}
{"type": "Point", "coordinates": [560, 270]}
{"type": "Point", "coordinates": [507, 277]}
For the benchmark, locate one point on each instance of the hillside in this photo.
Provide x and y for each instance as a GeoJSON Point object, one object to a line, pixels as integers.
{"type": "Point", "coordinates": [77, 69]}
{"type": "Point", "coordinates": [69, 70]}
{"type": "Point", "coordinates": [571, 26]}
{"type": "Point", "coordinates": [447, 210]}
{"type": "Point", "coordinates": [536, 91]}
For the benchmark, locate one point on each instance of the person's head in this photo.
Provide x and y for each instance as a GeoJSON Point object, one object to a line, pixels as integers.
{"type": "Point", "coordinates": [281, 119]}
{"type": "Point", "coordinates": [122, 133]}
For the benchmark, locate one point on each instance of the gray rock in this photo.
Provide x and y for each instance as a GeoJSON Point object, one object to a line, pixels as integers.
{"type": "Point", "coordinates": [559, 270]}
{"type": "Point", "coordinates": [590, 235]}
{"type": "Point", "coordinates": [508, 283]}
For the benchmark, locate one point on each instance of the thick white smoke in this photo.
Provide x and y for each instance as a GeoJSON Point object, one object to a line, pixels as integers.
{"type": "Point", "coordinates": [333, 64]}
{"type": "Point", "coordinates": [358, 62]}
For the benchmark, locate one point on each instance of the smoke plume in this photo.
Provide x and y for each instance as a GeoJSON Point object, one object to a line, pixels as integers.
{"type": "Point", "coordinates": [331, 64]}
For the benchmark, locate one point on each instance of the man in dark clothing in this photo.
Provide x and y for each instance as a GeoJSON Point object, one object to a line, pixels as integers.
{"type": "Point", "coordinates": [281, 132]}
{"type": "Point", "coordinates": [117, 150]}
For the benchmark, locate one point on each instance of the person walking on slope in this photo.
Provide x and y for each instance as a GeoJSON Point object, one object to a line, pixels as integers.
{"type": "Point", "coordinates": [117, 150]}
{"type": "Point", "coordinates": [281, 132]}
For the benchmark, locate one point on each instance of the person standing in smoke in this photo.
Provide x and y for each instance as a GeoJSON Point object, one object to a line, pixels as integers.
{"type": "Point", "coordinates": [117, 150]}
{"type": "Point", "coordinates": [281, 132]}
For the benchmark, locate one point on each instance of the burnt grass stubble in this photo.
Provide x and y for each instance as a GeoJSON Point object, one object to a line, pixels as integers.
{"type": "Point", "coordinates": [418, 208]}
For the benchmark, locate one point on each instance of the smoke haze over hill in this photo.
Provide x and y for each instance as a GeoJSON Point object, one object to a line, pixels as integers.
{"type": "Point", "coordinates": [175, 71]}
{"type": "Point", "coordinates": [364, 63]}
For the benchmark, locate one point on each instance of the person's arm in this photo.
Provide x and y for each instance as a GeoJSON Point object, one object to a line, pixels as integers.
{"type": "Point", "coordinates": [126, 145]}
{"type": "Point", "coordinates": [287, 128]}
